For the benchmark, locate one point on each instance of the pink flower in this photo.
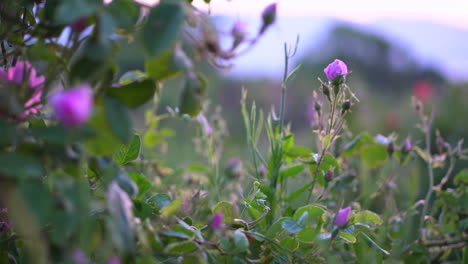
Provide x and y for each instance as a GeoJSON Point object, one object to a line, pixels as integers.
{"type": "Point", "coordinates": [79, 256]}
{"type": "Point", "coordinates": [73, 107]}
{"type": "Point", "coordinates": [217, 221]}
{"type": "Point", "coordinates": [24, 74]}
{"type": "Point", "coordinates": [422, 90]}
{"type": "Point", "coordinates": [113, 260]}
{"type": "Point", "coordinates": [335, 69]}
{"type": "Point", "coordinates": [207, 130]}
{"type": "Point", "coordinates": [408, 146]}
{"type": "Point", "coordinates": [342, 216]}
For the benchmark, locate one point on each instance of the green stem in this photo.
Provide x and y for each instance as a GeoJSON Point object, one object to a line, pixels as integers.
{"type": "Point", "coordinates": [283, 87]}
{"type": "Point", "coordinates": [431, 174]}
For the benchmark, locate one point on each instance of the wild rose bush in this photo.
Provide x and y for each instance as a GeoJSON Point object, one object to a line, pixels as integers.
{"type": "Point", "coordinates": [79, 184]}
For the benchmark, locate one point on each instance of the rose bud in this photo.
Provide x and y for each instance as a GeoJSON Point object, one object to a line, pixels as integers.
{"type": "Point", "coordinates": [347, 104]}
{"type": "Point", "coordinates": [336, 69]}
{"type": "Point", "coordinates": [342, 216]}
{"type": "Point", "coordinates": [268, 17]}
{"type": "Point", "coordinates": [73, 107]}
{"type": "Point", "coordinates": [329, 175]}
{"type": "Point", "coordinates": [407, 147]}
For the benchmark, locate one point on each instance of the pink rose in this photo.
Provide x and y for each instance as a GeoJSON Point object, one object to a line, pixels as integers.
{"type": "Point", "coordinates": [73, 107]}
{"type": "Point", "coordinates": [335, 69]}
{"type": "Point", "coordinates": [24, 74]}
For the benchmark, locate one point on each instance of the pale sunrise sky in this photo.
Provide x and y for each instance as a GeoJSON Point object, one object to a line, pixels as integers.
{"type": "Point", "coordinates": [448, 12]}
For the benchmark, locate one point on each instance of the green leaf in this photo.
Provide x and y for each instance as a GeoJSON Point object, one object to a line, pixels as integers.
{"type": "Point", "coordinates": [241, 242]}
{"type": "Point", "coordinates": [290, 243]}
{"type": "Point", "coordinates": [312, 210]}
{"type": "Point", "coordinates": [292, 171]}
{"type": "Point", "coordinates": [291, 226]}
{"type": "Point", "coordinates": [143, 183]}
{"type": "Point", "coordinates": [134, 94]}
{"type": "Point", "coordinates": [128, 153]}
{"type": "Point", "coordinates": [160, 200]}
{"type": "Point", "coordinates": [124, 13]}
{"type": "Point", "coordinates": [226, 209]}
{"type": "Point", "coordinates": [298, 151]}
{"type": "Point", "coordinates": [70, 10]}
{"type": "Point", "coordinates": [299, 191]}
{"type": "Point", "coordinates": [370, 240]}
{"type": "Point", "coordinates": [167, 65]}
{"type": "Point", "coordinates": [275, 228]}
{"type": "Point", "coordinates": [374, 155]}
{"type": "Point", "coordinates": [326, 141]}
{"type": "Point", "coordinates": [162, 28]}
{"type": "Point", "coordinates": [307, 235]}
{"type": "Point", "coordinates": [20, 166]}
{"type": "Point", "coordinates": [356, 144]}
{"type": "Point", "coordinates": [104, 142]}
{"type": "Point", "coordinates": [7, 132]}
{"type": "Point", "coordinates": [349, 238]}
{"type": "Point", "coordinates": [120, 208]}
{"type": "Point", "coordinates": [179, 248]}
{"type": "Point", "coordinates": [192, 95]}
{"type": "Point", "coordinates": [142, 210]}
{"type": "Point", "coordinates": [366, 216]}
{"type": "Point", "coordinates": [118, 119]}
{"type": "Point", "coordinates": [462, 176]}
{"type": "Point", "coordinates": [38, 199]}
{"type": "Point", "coordinates": [172, 208]}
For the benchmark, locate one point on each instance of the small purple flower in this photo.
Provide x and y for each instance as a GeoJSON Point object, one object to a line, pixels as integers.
{"type": "Point", "coordinates": [342, 216]}
{"type": "Point", "coordinates": [238, 32]}
{"type": "Point", "coordinates": [73, 107]}
{"type": "Point", "coordinates": [217, 221]}
{"type": "Point", "coordinates": [185, 204]}
{"type": "Point", "coordinates": [78, 256]}
{"type": "Point", "coordinates": [407, 145]}
{"type": "Point", "coordinates": [23, 73]}
{"type": "Point", "coordinates": [207, 130]}
{"type": "Point", "coordinates": [329, 175]}
{"type": "Point", "coordinates": [335, 69]}
{"type": "Point", "coordinates": [114, 260]}
{"type": "Point", "coordinates": [262, 171]}
{"type": "Point", "coordinates": [233, 168]}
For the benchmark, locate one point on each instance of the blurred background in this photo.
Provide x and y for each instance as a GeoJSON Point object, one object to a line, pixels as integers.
{"type": "Point", "coordinates": [395, 50]}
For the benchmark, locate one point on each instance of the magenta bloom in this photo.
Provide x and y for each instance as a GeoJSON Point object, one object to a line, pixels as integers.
{"type": "Point", "coordinates": [79, 24]}
{"type": "Point", "coordinates": [407, 145]}
{"type": "Point", "coordinates": [217, 221]}
{"type": "Point", "coordinates": [342, 216]}
{"type": "Point", "coordinates": [335, 69]}
{"type": "Point", "coordinates": [24, 74]}
{"type": "Point", "coordinates": [4, 222]}
{"type": "Point", "coordinates": [113, 260]}
{"type": "Point", "coordinates": [73, 107]}
{"type": "Point", "coordinates": [79, 256]}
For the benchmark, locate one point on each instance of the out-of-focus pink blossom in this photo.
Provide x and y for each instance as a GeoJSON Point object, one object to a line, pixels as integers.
{"type": "Point", "coordinates": [78, 256]}
{"type": "Point", "coordinates": [207, 129]}
{"type": "Point", "coordinates": [335, 69]}
{"type": "Point", "coordinates": [422, 90]}
{"type": "Point", "coordinates": [114, 260]}
{"type": "Point", "coordinates": [342, 216]}
{"type": "Point", "coordinates": [79, 24]}
{"type": "Point", "coordinates": [73, 107]}
{"type": "Point", "coordinates": [23, 73]}
{"type": "Point", "coordinates": [4, 222]}
{"type": "Point", "coordinates": [217, 221]}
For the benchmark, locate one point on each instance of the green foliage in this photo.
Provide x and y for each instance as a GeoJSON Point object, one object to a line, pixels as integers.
{"type": "Point", "coordinates": [106, 189]}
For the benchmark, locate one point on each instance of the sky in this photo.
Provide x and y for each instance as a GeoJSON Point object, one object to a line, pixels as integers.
{"type": "Point", "coordinates": [434, 32]}
{"type": "Point", "coordinates": [448, 12]}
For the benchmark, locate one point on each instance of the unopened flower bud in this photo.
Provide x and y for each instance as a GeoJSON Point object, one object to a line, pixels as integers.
{"type": "Point", "coordinates": [407, 147]}
{"type": "Point", "coordinates": [390, 148]}
{"type": "Point", "coordinates": [440, 143]}
{"type": "Point", "coordinates": [342, 217]}
{"type": "Point", "coordinates": [347, 104]}
{"type": "Point", "coordinates": [268, 17]}
{"type": "Point", "coordinates": [326, 91]}
{"type": "Point", "coordinates": [317, 106]}
{"type": "Point", "coordinates": [336, 69]}
{"type": "Point", "coordinates": [257, 184]}
{"type": "Point", "coordinates": [262, 171]}
{"type": "Point", "coordinates": [233, 168]}
{"type": "Point", "coordinates": [238, 32]}
{"type": "Point", "coordinates": [329, 175]}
